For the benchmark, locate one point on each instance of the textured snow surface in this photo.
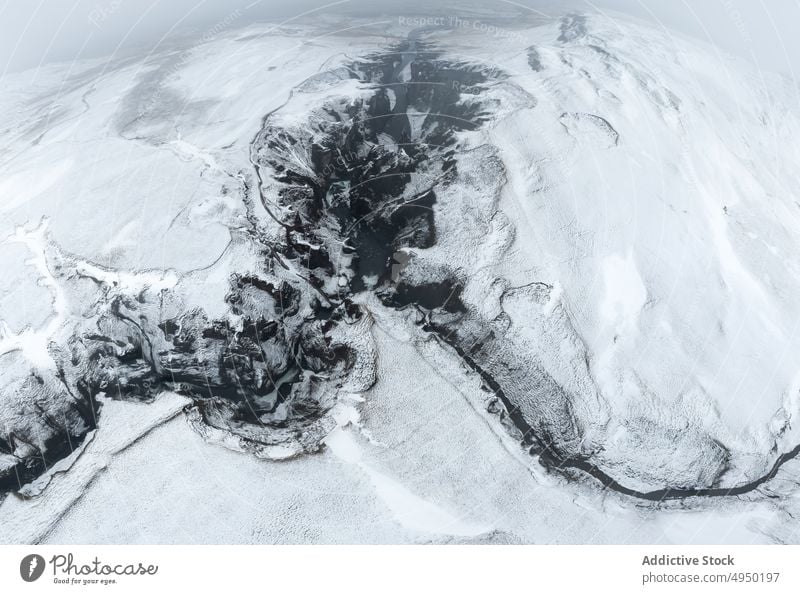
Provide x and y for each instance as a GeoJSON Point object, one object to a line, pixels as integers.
{"type": "Point", "coordinates": [375, 284]}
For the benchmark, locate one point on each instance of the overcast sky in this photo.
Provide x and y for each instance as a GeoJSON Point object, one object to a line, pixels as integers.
{"type": "Point", "coordinates": [33, 32]}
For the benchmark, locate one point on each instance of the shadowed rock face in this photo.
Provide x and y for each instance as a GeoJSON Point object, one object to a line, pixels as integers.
{"type": "Point", "coordinates": [46, 424]}
{"type": "Point", "coordinates": [266, 374]}
{"type": "Point", "coordinates": [367, 176]}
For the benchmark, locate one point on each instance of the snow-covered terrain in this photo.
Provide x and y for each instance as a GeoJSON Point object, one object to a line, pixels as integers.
{"type": "Point", "coordinates": [401, 281]}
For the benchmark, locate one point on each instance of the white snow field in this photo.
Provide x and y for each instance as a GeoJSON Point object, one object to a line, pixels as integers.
{"type": "Point", "coordinates": [619, 225]}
